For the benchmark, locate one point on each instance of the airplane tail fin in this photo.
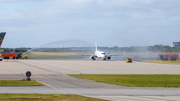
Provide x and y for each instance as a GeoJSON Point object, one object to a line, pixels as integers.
{"type": "Point", "coordinates": [96, 45]}
{"type": "Point", "coordinates": [2, 35]}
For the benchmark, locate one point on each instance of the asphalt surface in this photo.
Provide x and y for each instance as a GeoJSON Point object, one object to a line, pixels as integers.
{"type": "Point", "coordinates": [52, 73]}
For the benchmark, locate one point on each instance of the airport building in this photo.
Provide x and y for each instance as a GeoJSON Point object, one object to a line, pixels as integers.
{"type": "Point", "coordinates": [176, 44]}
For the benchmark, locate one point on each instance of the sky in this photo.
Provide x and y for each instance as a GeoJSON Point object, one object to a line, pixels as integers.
{"type": "Point", "coordinates": [81, 23]}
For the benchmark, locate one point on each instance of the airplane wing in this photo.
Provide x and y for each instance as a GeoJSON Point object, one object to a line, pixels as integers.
{"type": "Point", "coordinates": [113, 55]}
{"type": "Point", "coordinates": [86, 55]}
{"type": "Point", "coordinates": [89, 55]}
{"type": "Point", "coordinates": [116, 54]}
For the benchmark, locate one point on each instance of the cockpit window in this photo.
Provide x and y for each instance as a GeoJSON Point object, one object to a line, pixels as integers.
{"type": "Point", "coordinates": [103, 53]}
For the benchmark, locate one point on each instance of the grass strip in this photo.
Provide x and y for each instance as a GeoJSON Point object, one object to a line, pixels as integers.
{"type": "Point", "coordinates": [134, 80]}
{"type": "Point", "coordinates": [164, 62]}
{"type": "Point", "coordinates": [45, 97]}
{"type": "Point", "coordinates": [33, 55]}
{"type": "Point", "coordinates": [19, 83]}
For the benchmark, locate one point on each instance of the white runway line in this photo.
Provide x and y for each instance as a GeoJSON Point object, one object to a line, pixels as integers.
{"type": "Point", "coordinates": [52, 87]}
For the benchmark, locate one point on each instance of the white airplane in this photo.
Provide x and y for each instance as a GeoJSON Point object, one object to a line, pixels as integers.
{"type": "Point", "coordinates": [100, 54]}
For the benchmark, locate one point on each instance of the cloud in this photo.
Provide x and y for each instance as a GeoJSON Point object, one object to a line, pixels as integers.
{"type": "Point", "coordinates": [87, 19]}
{"type": "Point", "coordinates": [20, 1]}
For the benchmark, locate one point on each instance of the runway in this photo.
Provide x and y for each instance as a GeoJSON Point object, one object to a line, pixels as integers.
{"type": "Point", "coordinates": [52, 73]}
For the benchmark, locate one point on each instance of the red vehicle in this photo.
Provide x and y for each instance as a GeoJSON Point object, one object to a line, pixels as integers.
{"type": "Point", "coordinates": [11, 55]}
{"type": "Point", "coordinates": [172, 57]}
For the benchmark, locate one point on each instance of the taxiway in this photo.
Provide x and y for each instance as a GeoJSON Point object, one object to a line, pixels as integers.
{"type": "Point", "coordinates": [52, 73]}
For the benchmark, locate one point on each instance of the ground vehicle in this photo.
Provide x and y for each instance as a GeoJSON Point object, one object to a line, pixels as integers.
{"type": "Point", "coordinates": [129, 60]}
{"type": "Point", "coordinates": [11, 55]}
{"type": "Point", "coordinates": [1, 58]}
{"type": "Point", "coordinates": [172, 57]}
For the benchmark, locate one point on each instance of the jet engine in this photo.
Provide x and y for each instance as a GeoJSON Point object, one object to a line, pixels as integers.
{"type": "Point", "coordinates": [108, 57]}
{"type": "Point", "coordinates": [93, 57]}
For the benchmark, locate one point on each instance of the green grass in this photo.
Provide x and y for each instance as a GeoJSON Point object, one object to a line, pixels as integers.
{"type": "Point", "coordinates": [19, 83]}
{"type": "Point", "coordinates": [164, 62]}
{"type": "Point", "coordinates": [44, 97]}
{"type": "Point", "coordinates": [134, 80]}
{"type": "Point", "coordinates": [32, 55]}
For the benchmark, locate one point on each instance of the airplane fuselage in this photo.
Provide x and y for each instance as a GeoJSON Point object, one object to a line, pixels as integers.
{"type": "Point", "coordinates": [100, 54]}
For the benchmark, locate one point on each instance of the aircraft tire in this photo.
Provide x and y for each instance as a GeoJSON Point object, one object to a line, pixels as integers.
{"type": "Point", "coordinates": [103, 59]}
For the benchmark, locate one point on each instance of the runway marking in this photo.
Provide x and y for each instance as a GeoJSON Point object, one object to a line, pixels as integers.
{"type": "Point", "coordinates": [52, 87]}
